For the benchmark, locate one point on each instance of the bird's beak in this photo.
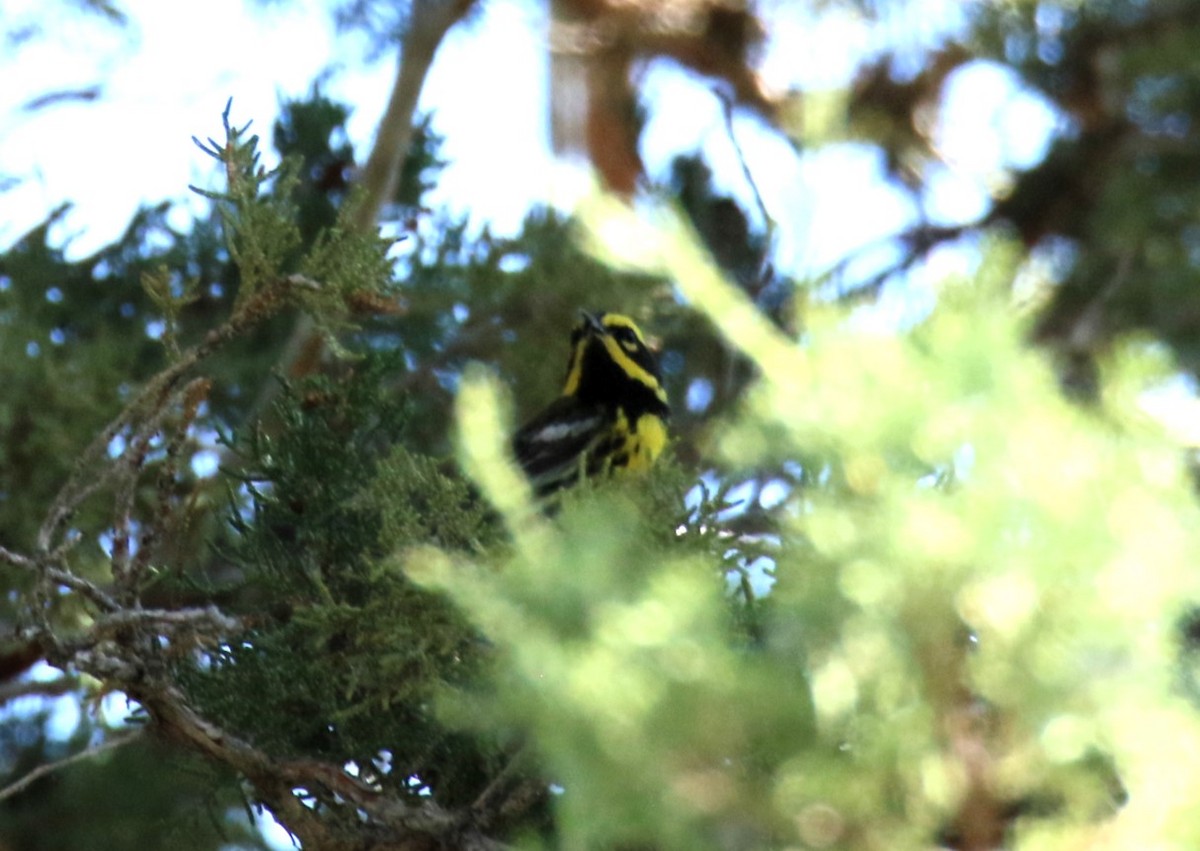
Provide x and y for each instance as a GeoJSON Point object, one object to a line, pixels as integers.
{"type": "Point", "coordinates": [593, 323]}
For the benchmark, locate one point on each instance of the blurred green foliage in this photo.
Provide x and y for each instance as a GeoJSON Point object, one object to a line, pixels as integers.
{"type": "Point", "coordinates": [975, 544]}
{"type": "Point", "coordinates": [164, 798]}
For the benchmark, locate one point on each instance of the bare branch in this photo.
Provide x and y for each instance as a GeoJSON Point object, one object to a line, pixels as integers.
{"type": "Point", "coordinates": [46, 568]}
{"type": "Point", "coordinates": [727, 110]}
{"type": "Point", "coordinates": [61, 96]}
{"type": "Point", "coordinates": [154, 396]}
{"type": "Point", "coordinates": [917, 242]}
{"type": "Point", "coordinates": [209, 618]}
{"type": "Point", "coordinates": [16, 559]}
{"type": "Point", "coordinates": [429, 22]}
{"type": "Point", "coordinates": [507, 794]}
{"type": "Point", "coordinates": [276, 782]}
{"type": "Point", "coordinates": [127, 470]}
{"type": "Point", "coordinates": [50, 767]}
{"type": "Point", "coordinates": [30, 688]}
{"type": "Point", "coordinates": [77, 583]}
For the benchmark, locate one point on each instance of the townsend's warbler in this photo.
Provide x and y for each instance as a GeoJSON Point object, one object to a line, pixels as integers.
{"type": "Point", "coordinates": [612, 413]}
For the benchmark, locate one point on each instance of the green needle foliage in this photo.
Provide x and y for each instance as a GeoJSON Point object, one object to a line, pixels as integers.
{"type": "Point", "coordinates": [345, 652]}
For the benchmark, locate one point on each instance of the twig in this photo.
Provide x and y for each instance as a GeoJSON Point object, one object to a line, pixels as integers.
{"type": "Point", "coordinates": [154, 394]}
{"type": "Point", "coordinates": [484, 801]}
{"type": "Point", "coordinates": [1086, 328]}
{"type": "Point", "coordinates": [48, 688]}
{"type": "Point", "coordinates": [16, 559]}
{"type": "Point", "coordinates": [77, 583]}
{"type": "Point", "coordinates": [526, 794]}
{"type": "Point", "coordinates": [61, 576]}
{"type": "Point", "coordinates": [428, 24]}
{"type": "Point", "coordinates": [727, 109]}
{"type": "Point", "coordinates": [210, 617]}
{"type": "Point", "coordinates": [277, 781]}
{"type": "Point", "coordinates": [50, 767]}
{"type": "Point", "coordinates": [919, 241]}
{"type": "Point", "coordinates": [127, 470]}
{"type": "Point", "coordinates": [503, 798]}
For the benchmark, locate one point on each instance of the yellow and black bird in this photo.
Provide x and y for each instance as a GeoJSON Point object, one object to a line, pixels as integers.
{"type": "Point", "coordinates": [612, 414]}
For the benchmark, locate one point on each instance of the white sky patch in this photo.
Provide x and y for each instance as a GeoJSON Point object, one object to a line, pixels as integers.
{"type": "Point", "coordinates": [62, 711]}
{"type": "Point", "coordinates": [273, 832]}
{"type": "Point", "coordinates": [846, 203]}
{"type": "Point", "coordinates": [1175, 403]}
{"type": "Point", "coordinates": [989, 122]}
{"type": "Point", "coordinates": [164, 79]}
{"type": "Point", "coordinates": [169, 76]}
{"type": "Point", "coordinates": [813, 52]}
{"type": "Point", "coordinates": [488, 89]}
{"type": "Point", "coordinates": [953, 198]}
{"type": "Point", "coordinates": [206, 463]}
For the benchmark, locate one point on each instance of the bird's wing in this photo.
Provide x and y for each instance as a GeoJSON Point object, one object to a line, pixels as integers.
{"type": "Point", "coordinates": [549, 447]}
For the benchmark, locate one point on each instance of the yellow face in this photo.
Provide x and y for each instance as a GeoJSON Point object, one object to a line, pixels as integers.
{"type": "Point", "coordinates": [612, 416]}
{"type": "Point", "coordinates": [625, 345]}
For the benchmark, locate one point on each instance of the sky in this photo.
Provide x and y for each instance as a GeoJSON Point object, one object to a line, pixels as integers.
{"type": "Point", "coordinates": [168, 76]}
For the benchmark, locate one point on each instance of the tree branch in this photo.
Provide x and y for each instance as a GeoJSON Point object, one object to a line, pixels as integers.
{"type": "Point", "coordinates": [77, 583]}
{"type": "Point", "coordinates": [50, 767]}
{"type": "Point", "coordinates": [153, 397]}
{"type": "Point", "coordinates": [210, 618]}
{"type": "Point", "coordinates": [429, 22]}
{"type": "Point", "coordinates": [46, 566]}
{"type": "Point", "coordinates": [397, 823]}
{"type": "Point", "coordinates": [16, 559]}
{"type": "Point", "coordinates": [727, 111]}
{"type": "Point", "coordinates": [40, 688]}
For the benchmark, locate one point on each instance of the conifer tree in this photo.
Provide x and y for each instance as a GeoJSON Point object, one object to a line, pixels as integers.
{"type": "Point", "coordinates": [927, 586]}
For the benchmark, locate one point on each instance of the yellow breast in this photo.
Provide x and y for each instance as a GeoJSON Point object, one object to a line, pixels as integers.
{"type": "Point", "coordinates": [648, 438]}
